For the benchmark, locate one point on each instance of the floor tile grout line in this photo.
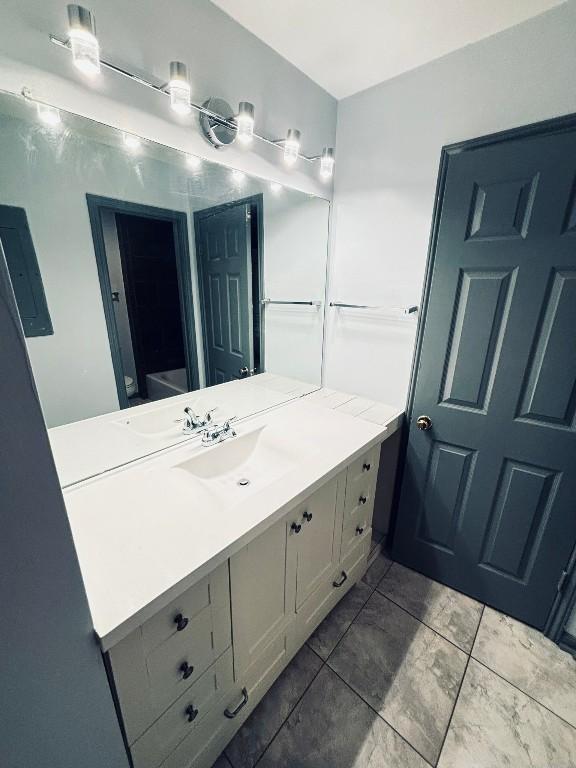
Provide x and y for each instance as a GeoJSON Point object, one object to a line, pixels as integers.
{"type": "Point", "coordinates": [517, 688]}
{"type": "Point", "coordinates": [459, 690]}
{"type": "Point", "coordinates": [367, 703]}
{"type": "Point", "coordinates": [324, 663]}
{"type": "Point", "coordinates": [432, 628]}
{"type": "Point", "coordinates": [304, 692]}
{"type": "Point", "coordinates": [372, 590]}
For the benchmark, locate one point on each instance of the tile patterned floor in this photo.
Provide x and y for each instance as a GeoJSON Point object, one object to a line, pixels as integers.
{"type": "Point", "coordinates": [407, 673]}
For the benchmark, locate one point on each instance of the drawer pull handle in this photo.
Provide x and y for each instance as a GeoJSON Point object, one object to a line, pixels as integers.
{"type": "Point", "coordinates": [342, 580]}
{"type": "Point", "coordinates": [366, 467]}
{"type": "Point", "coordinates": [362, 499]}
{"type": "Point", "coordinates": [231, 714]}
{"type": "Point", "coordinates": [307, 516]}
{"type": "Point", "coordinates": [296, 527]}
{"type": "Point", "coordinates": [186, 670]}
{"type": "Point", "coordinates": [181, 622]}
{"type": "Point", "coordinates": [359, 530]}
{"type": "Point", "coordinates": [191, 713]}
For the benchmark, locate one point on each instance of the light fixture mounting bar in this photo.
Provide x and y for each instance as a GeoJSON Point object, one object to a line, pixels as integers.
{"type": "Point", "coordinates": [278, 144]}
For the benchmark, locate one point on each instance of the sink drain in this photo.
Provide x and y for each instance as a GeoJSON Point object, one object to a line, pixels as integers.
{"type": "Point", "coordinates": [243, 481]}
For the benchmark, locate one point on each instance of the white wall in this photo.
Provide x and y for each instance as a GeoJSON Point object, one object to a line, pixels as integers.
{"type": "Point", "coordinates": [388, 147]}
{"type": "Point", "coordinates": [295, 253]}
{"type": "Point", "coordinates": [145, 35]}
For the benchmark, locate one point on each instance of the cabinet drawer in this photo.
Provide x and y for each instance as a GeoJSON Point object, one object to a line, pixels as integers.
{"type": "Point", "coordinates": [173, 666]}
{"type": "Point", "coordinates": [185, 715]}
{"type": "Point", "coordinates": [148, 680]}
{"type": "Point", "coordinates": [361, 485]}
{"type": "Point", "coordinates": [355, 529]}
{"type": "Point", "coordinates": [163, 626]}
{"type": "Point", "coordinates": [201, 748]}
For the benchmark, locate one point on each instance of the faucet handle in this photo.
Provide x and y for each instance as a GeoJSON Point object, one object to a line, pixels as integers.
{"type": "Point", "coordinates": [208, 415]}
{"type": "Point", "coordinates": [227, 428]}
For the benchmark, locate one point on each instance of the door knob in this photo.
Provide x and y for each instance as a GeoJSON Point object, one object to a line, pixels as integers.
{"type": "Point", "coordinates": [424, 422]}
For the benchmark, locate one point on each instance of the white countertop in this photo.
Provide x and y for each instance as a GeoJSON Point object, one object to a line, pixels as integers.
{"type": "Point", "coordinates": [87, 448]}
{"type": "Point", "coordinates": [141, 540]}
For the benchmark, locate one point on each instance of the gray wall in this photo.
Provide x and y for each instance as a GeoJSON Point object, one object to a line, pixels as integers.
{"type": "Point", "coordinates": [388, 147]}
{"type": "Point", "coordinates": [56, 706]}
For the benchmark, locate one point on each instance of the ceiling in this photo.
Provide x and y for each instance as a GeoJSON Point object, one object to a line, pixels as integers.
{"type": "Point", "coordinates": [349, 45]}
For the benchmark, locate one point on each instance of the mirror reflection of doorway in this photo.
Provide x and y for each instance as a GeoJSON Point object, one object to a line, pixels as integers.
{"type": "Point", "coordinates": [144, 269]}
{"type": "Point", "coordinates": [229, 255]}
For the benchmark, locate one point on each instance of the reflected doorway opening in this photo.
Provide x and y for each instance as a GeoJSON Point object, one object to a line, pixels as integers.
{"type": "Point", "coordinates": [143, 264]}
{"type": "Point", "coordinates": [230, 257]}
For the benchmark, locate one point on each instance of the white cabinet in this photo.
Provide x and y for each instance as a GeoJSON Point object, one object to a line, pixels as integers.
{"type": "Point", "coordinates": [314, 539]}
{"type": "Point", "coordinates": [189, 677]}
{"type": "Point", "coordinates": [262, 586]}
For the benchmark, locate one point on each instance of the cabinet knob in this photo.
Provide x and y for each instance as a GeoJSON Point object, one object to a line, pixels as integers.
{"type": "Point", "coordinates": [307, 516]}
{"type": "Point", "coordinates": [366, 467]}
{"type": "Point", "coordinates": [186, 670]}
{"type": "Point", "coordinates": [181, 622]}
{"type": "Point", "coordinates": [359, 530]}
{"type": "Point", "coordinates": [362, 499]}
{"type": "Point", "coordinates": [296, 527]}
{"type": "Point", "coordinates": [191, 712]}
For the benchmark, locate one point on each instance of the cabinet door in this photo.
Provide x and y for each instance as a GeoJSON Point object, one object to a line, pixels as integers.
{"type": "Point", "coordinates": [262, 579]}
{"type": "Point", "coordinates": [312, 535]}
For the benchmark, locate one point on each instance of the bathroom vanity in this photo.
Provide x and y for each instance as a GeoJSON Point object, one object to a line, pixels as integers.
{"type": "Point", "coordinates": [206, 569]}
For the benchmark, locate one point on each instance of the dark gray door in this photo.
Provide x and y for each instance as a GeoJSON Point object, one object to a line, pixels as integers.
{"type": "Point", "coordinates": [489, 490]}
{"type": "Point", "coordinates": [223, 244]}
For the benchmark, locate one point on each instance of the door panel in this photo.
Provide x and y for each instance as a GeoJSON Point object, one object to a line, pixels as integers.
{"type": "Point", "coordinates": [487, 495]}
{"type": "Point", "coordinates": [224, 259]}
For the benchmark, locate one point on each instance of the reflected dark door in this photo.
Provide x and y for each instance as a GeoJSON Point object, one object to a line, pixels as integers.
{"type": "Point", "coordinates": [223, 244]}
{"type": "Point", "coordinates": [148, 255]}
{"type": "Point", "coordinates": [489, 489]}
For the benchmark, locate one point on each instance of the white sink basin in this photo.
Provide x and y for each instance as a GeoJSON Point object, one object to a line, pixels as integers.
{"type": "Point", "coordinates": [244, 464]}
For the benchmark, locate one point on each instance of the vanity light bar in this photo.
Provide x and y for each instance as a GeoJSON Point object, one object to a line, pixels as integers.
{"type": "Point", "coordinates": [232, 124]}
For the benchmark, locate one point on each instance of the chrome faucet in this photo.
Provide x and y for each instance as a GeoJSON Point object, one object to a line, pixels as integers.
{"type": "Point", "coordinates": [192, 423]}
{"type": "Point", "coordinates": [218, 433]}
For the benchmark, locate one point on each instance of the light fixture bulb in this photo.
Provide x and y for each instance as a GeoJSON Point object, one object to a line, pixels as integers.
{"type": "Point", "coordinates": [276, 188]}
{"type": "Point", "coordinates": [179, 88]}
{"type": "Point", "coordinates": [83, 41]}
{"type": "Point", "coordinates": [194, 162]}
{"type": "Point", "coordinates": [49, 115]}
{"type": "Point", "coordinates": [245, 122]}
{"type": "Point", "coordinates": [292, 146]}
{"type": "Point", "coordinates": [327, 163]}
{"type": "Point", "coordinates": [131, 142]}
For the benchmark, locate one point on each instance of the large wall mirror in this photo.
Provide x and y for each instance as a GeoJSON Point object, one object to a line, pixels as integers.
{"type": "Point", "coordinates": [143, 274]}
